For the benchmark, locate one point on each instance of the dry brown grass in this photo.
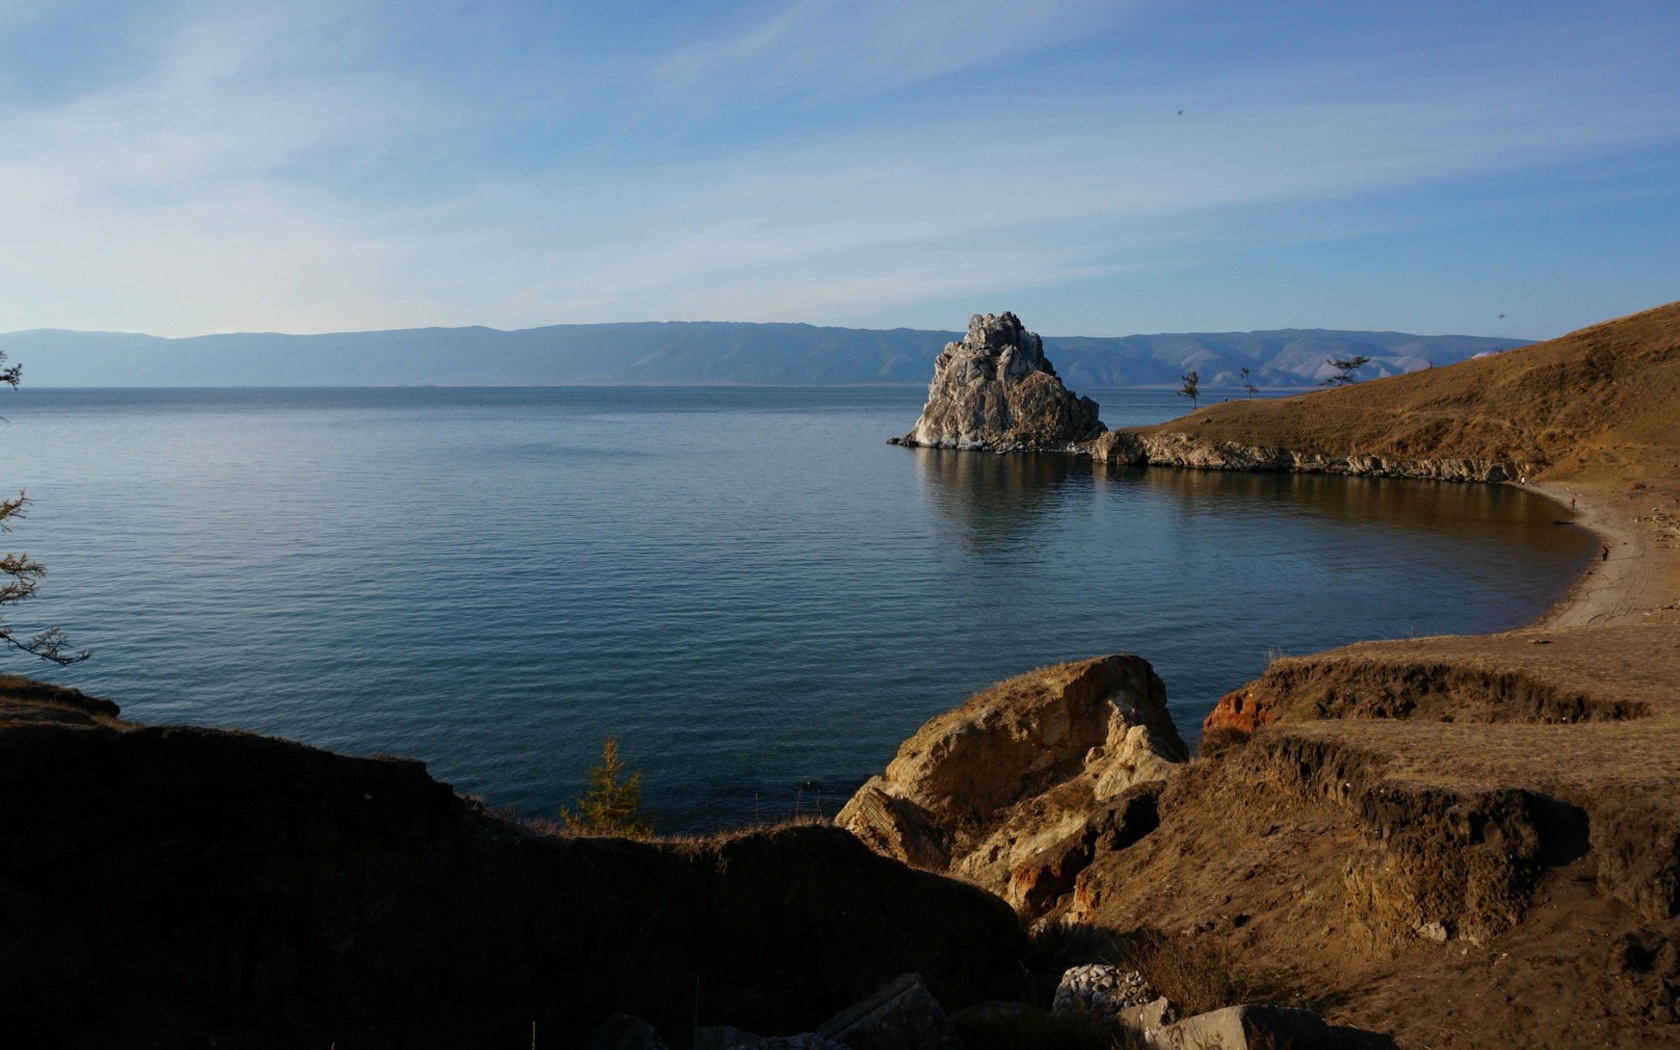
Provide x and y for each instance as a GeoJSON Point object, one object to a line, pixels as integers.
{"type": "Point", "coordinates": [1635, 665]}
{"type": "Point", "coordinates": [686, 845]}
{"type": "Point", "coordinates": [1603, 395]}
{"type": "Point", "coordinates": [1197, 971]}
{"type": "Point", "coordinates": [1216, 742]}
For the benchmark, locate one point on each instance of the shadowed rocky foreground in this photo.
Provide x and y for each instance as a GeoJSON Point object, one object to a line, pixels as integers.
{"type": "Point", "coordinates": [189, 887]}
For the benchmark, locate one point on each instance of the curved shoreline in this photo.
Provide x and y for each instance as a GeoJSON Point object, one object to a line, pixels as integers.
{"type": "Point", "coordinates": [1639, 581]}
{"type": "Point", "coordinates": [1636, 581]}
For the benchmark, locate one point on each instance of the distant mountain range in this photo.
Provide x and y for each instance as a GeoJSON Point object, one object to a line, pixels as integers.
{"type": "Point", "coordinates": [686, 353]}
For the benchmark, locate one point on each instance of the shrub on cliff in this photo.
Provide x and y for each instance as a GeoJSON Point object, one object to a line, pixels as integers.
{"type": "Point", "coordinates": [22, 575]}
{"type": "Point", "coordinates": [613, 804]}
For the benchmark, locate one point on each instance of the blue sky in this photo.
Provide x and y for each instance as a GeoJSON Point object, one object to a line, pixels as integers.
{"type": "Point", "coordinates": [1100, 168]}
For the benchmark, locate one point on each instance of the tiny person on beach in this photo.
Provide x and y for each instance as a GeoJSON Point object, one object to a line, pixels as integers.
{"type": "Point", "coordinates": [1604, 552]}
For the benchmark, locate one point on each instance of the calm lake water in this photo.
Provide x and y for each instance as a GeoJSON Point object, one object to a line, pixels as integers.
{"type": "Point", "coordinates": [748, 587]}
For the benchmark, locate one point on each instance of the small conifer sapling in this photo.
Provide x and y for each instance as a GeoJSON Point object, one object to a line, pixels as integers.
{"type": "Point", "coordinates": [1248, 382]}
{"type": "Point", "coordinates": [613, 804]}
{"type": "Point", "coordinates": [20, 575]}
{"type": "Point", "coordinates": [1344, 367]}
{"type": "Point", "coordinates": [1191, 388]}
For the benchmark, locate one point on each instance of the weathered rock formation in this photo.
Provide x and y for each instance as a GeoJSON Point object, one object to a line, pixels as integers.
{"type": "Point", "coordinates": [996, 390]}
{"type": "Point", "coordinates": [1129, 448]}
{"type": "Point", "coordinates": [189, 887]}
{"type": "Point", "coordinates": [1240, 711]}
{"type": "Point", "coordinates": [1017, 789]}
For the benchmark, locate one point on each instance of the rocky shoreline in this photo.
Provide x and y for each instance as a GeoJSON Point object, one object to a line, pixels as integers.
{"type": "Point", "coordinates": [1131, 448]}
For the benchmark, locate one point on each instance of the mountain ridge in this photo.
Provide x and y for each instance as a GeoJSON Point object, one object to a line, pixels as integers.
{"type": "Point", "coordinates": [695, 352]}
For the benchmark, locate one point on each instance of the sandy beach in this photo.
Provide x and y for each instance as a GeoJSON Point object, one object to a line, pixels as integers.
{"type": "Point", "coordinates": [1640, 580]}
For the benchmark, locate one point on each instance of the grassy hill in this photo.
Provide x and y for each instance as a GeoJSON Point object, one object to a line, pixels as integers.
{"type": "Point", "coordinates": [1604, 396]}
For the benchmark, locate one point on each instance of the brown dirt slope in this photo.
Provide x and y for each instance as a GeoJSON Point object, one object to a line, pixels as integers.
{"type": "Point", "coordinates": [1463, 842]}
{"type": "Point", "coordinates": [1602, 397]}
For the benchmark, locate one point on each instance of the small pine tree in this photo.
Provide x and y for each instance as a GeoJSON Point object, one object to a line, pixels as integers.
{"type": "Point", "coordinates": [1248, 383]}
{"type": "Point", "coordinates": [1344, 369]}
{"type": "Point", "coordinates": [1191, 388]}
{"type": "Point", "coordinates": [613, 805]}
{"type": "Point", "coordinates": [20, 575]}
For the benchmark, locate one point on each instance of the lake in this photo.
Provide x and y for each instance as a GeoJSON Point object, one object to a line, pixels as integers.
{"type": "Point", "coordinates": [747, 587]}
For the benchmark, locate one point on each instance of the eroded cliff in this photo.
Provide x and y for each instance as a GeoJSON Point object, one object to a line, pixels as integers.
{"type": "Point", "coordinates": [1468, 842]}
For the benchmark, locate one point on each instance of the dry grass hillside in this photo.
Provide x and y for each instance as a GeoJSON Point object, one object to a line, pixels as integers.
{"type": "Point", "coordinates": [1600, 398]}
{"type": "Point", "coordinates": [1463, 842]}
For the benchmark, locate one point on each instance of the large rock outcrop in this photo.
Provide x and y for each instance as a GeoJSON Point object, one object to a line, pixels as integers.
{"type": "Point", "coordinates": [1016, 789]}
{"type": "Point", "coordinates": [996, 390]}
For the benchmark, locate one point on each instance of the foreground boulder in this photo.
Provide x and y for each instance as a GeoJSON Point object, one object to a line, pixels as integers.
{"type": "Point", "coordinates": [900, 1016]}
{"type": "Point", "coordinates": [179, 886]}
{"type": "Point", "coordinates": [996, 390]}
{"type": "Point", "coordinates": [1261, 1027]}
{"type": "Point", "coordinates": [1018, 788]}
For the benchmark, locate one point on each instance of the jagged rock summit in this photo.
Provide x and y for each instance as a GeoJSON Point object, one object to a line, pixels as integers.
{"type": "Point", "coordinates": [996, 390]}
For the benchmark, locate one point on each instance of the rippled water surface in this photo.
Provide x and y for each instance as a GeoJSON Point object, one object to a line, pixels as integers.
{"type": "Point", "coordinates": [747, 587]}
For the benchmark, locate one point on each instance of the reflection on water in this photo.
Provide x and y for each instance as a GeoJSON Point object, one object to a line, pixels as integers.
{"type": "Point", "coordinates": [1171, 562]}
{"type": "Point", "coordinates": [995, 502]}
{"type": "Point", "coordinates": [1386, 503]}
{"type": "Point", "coordinates": [998, 503]}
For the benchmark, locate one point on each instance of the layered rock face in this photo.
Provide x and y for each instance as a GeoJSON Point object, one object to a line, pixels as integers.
{"type": "Point", "coordinates": [996, 390]}
{"type": "Point", "coordinates": [1018, 788]}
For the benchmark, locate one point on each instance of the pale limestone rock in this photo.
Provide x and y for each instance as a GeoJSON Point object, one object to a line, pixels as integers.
{"type": "Point", "coordinates": [1101, 988]}
{"type": "Point", "coordinates": [1149, 1017]}
{"type": "Point", "coordinates": [1248, 1028]}
{"type": "Point", "coordinates": [1023, 774]}
{"type": "Point", "coordinates": [996, 390]}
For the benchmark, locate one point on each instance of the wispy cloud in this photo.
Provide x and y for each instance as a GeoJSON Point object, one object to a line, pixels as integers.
{"type": "Point", "coordinates": [823, 50]}
{"type": "Point", "coordinates": [808, 160]}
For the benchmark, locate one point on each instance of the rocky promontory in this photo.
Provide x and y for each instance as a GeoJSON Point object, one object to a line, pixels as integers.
{"type": "Point", "coordinates": [1016, 789]}
{"type": "Point", "coordinates": [994, 389]}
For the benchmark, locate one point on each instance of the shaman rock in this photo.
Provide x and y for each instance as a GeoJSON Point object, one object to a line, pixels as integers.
{"type": "Point", "coordinates": [995, 390]}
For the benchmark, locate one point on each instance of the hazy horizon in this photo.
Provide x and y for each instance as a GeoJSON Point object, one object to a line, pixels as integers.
{"type": "Point", "coordinates": [952, 331]}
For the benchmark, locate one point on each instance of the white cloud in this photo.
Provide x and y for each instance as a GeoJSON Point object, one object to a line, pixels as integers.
{"type": "Point", "coordinates": [245, 180]}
